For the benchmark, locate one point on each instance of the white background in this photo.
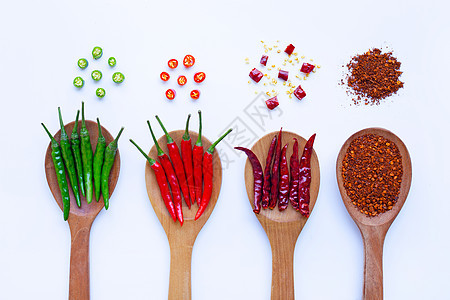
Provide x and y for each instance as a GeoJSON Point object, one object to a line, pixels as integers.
{"type": "Point", "coordinates": [40, 44]}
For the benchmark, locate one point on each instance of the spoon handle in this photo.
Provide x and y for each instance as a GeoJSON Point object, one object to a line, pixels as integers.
{"type": "Point", "coordinates": [373, 263]}
{"type": "Point", "coordinates": [79, 260]}
{"type": "Point", "coordinates": [180, 271]}
{"type": "Point", "coordinates": [283, 271]}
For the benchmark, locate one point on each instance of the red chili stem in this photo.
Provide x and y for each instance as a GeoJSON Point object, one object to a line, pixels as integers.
{"type": "Point", "coordinates": [197, 157]}
{"type": "Point", "coordinates": [275, 174]}
{"type": "Point", "coordinates": [186, 154]}
{"type": "Point", "coordinates": [257, 178]}
{"type": "Point", "coordinates": [267, 177]}
{"type": "Point", "coordinates": [283, 191]}
{"type": "Point", "coordinates": [305, 177]}
{"type": "Point", "coordinates": [294, 166]}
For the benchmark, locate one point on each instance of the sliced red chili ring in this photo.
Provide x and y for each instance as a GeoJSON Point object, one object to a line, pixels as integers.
{"type": "Point", "coordinates": [272, 103]}
{"type": "Point", "coordinates": [307, 68]}
{"type": "Point", "coordinates": [299, 93]}
{"type": "Point", "coordinates": [284, 75]}
{"type": "Point", "coordinates": [164, 76]}
{"type": "Point", "coordinates": [199, 77]}
{"type": "Point", "coordinates": [264, 59]}
{"type": "Point", "coordinates": [182, 80]}
{"type": "Point", "coordinates": [188, 61]}
{"type": "Point", "coordinates": [173, 63]}
{"type": "Point", "coordinates": [256, 75]}
{"type": "Point", "coordinates": [170, 94]}
{"type": "Point", "coordinates": [289, 49]}
{"type": "Point", "coordinates": [195, 94]}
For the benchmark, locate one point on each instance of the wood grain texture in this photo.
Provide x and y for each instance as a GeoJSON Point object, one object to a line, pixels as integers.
{"type": "Point", "coordinates": [374, 229]}
{"type": "Point", "coordinates": [181, 239]}
{"type": "Point", "coordinates": [282, 228]}
{"type": "Point", "coordinates": [80, 218]}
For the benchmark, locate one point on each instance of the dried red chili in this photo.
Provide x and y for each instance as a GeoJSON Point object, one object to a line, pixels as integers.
{"type": "Point", "coordinates": [372, 173]}
{"type": "Point", "coordinates": [283, 192]}
{"type": "Point", "coordinates": [257, 178]}
{"type": "Point", "coordinates": [307, 68]}
{"type": "Point", "coordinates": [256, 75]}
{"type": "Point", "coordinates": [295, 169]}
{"type": "Point", "coordinates": [267, 178]}
{"type": "Point", "coordinates": [305, 177]}
{"type": "Point", "coordinates": [272, 103]}
{"type": "Point", "coordinates": [299, 93]}
{"type": "Point", "coordinates": [372, 76]}
{"type": "Point", "coordinates": [289, 49]}
{"type": "Point", "coordinates": [275, 174]}
{"type": "Point", "coordinates": [283, 75]}
{"type": "Point", "coordinates": [264, 59]}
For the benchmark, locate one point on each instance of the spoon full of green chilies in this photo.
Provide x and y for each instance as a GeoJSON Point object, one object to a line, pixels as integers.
{"type": "Point", "coordinates": [81, 215]}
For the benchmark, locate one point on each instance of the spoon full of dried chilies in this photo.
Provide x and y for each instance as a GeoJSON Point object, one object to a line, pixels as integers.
{"type": "Point", "coordinates": [373, 172]}
{"type": "Point", "coordinates": [283, 224]}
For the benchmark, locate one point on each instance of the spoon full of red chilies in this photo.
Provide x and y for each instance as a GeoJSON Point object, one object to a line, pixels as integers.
{"type": "Point", "coordinates": [284, 223]}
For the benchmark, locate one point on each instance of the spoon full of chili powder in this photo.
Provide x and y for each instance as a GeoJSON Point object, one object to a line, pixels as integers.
{"type": "Point", "coordinates": [373, 171]}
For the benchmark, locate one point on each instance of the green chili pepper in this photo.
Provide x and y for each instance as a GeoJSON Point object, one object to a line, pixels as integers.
{"type": "Point", "coordinates": [75, 143]}
{"type": "Point", "coordinates": [118, 77]}
{"type": "Point", "coordinates": [68, 159]}
{"type": "Point", "coordinates": [98, 160]}
{"type": "Point", "coordinates": [96, 75]}
{"type": "Point", "coordinates": [83, 63]}
{"type": "Point", "coordinates": [110, 154]}
{"type": "Point", "coordinates": [97, 52]}
{"type": "Point", "coordinates": [78, 82]}
{"type": "Point", "coordinates": [112, 61]}
{"type": "Point", "coordinates": [60, 174]}
{"type": "Point", "coordinates": [100, 92]}
{"type": "Point", "coordinates": [87, 157]}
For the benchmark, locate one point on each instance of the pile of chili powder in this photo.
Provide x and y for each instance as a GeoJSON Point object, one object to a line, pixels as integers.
{"type": "Point", "coordinates": [372, 77]}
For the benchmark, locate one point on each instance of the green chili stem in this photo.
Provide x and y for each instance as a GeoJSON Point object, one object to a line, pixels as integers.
{"type": "Point", "coordinates": [160, 151]}
{"type": "Point", "coordinates": [151, 161]}
{"type": "Point", "coordinates": [199, 139]}
{"type": "Point", "coordinates": [169, 139]}
{"type": "Point", "coordinates": [211, 148]}
{"type": "Point", "coordinates": [186, 136]}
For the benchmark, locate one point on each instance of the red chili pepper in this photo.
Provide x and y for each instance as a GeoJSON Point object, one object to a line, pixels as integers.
{"type": "Point", "coordinates": [257, 178]}
{"type": "Point", "coordinates": [188, 61]}
{"type": "Point", "coordinates": [294, 164]}
{"type": "Point", "coordinates": [164, 76]}
{"type": "Point", "coordinates": [256, 75]}
{"type": "Point", "coordinates": [173, 63]}
{"type": "Point", "coordinates": [182, 80]}
{"type": "Point", "coordinates": [299, 93]}
{"type": "Point", "coordinates": [275, 174]}
{"type": "Point", "coordinates": [162, 182]}
{"type": "Point", "coordinates": [170, 94]}
{"type": "Point", "coordinates": [195, 94]}
{"type": "Point", "coordinates": [267, 178]}
{"type": "Point", "coordinates": [199, 77]}
{"type": "Point", "coordinates": [186, 155]}
{"type": "Point", "coordinates": [172, 178]}
{"type": "Point", "coordinates": [208, 175]}
{"type": "Point", "coordinates": [197, 157]}
{"type": "Point", "coordinates": [283, 75]}
{"type": "Point", "coordinates": [289, 49]}
{"type": "Point", "coordinates": [264, 59]}
{"type": "Point", "coordinates": [307, 68]}
{"type": "Point", "coordinates": [305, 177]}
{"type": "Point", "coordinates": [272, 103]}
{"type": "Point", "coordinates": [283, 191]}
{"type": "Point", "coordinates": [174, 153]}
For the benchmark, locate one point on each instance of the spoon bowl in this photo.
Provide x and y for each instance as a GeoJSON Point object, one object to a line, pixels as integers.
{"type": "Point", "coordinates": [181, 238]}
{"type": "Point", "coordinates": [80, 218]}
{"type": "Point", "coordinates": [282, 228]}
{"type": "Point", "coordinates": [374, 229]}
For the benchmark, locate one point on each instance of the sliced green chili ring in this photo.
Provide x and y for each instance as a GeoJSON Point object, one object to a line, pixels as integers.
{"type": "Point", "coordinates": [118, 77]}
{"type": "Point", "coordinates": [100, 92]}
{"type": "Point", "coordinates": [96, 75]}
{"type": "Point", "coordinates": [97, 52]}
{"type": "Point", "coordinates": [78, 82]}
{"type": "Point", "coordinates": [112, 61]}
{"type": "Point", "coordinates": [83, 63]}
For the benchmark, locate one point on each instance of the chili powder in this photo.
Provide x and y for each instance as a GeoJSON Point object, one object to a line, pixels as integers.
{"type": "Point", "coordinates": [372, 77]}
{"type": "Point", "coordinates": [372, 173]}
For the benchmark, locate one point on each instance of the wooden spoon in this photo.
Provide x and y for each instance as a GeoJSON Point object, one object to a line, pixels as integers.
{"type": "Point", "coordinates": [181, 238]}
{"type": "Point", "coordinates": [282, 228]}
{"type": "Point", "coordinates": [80, 218]}
{"type": "Point", "coordinates": [374, 229]}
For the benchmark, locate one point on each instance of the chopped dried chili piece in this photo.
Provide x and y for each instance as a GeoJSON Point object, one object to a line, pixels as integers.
{"type": "Point", "coordinates": [272, 103]}
{"type": "Point", "coordinates": [283, 75]}
{"type": "Point", "coordinates": [289, 49]}
{"type": "Point", "coordinates": [256, 75]}
{"type": "Point", "coordinates": [299, 93]}
{"type": "Point", "coordinates": [307, 68]}
{"type": "Point", "coordinates": [264, 59]}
